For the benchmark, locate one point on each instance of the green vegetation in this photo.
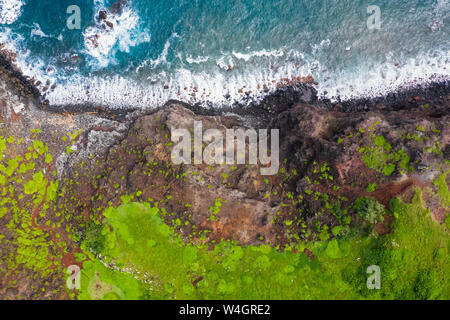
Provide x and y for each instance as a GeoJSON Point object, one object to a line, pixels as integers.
{"type": "Point", "coordinates": [103, 283]}
{"type": "Point", "coordinates": [27, 191]}
{"type": "Point", "coordinates": [32, 217]}
{"type": "Point", "coordinates": [444, 193]}
{"type": "Point", "coordinates": [414, 260]}
{"type": "Point", "coordinates": [141, 251]}
{"type": "Point", "coordinates": [370, 210]}
{"type": "Point", "coordinates": [382, 158]}
{"type": "Point", "coordinates": [371, 187]}
{"type": "Point", "coordinates": [137, 239]}
{"type": "Point", "coordinates": [415, 257]}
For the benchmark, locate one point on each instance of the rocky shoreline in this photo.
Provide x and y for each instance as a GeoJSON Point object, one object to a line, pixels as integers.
{"type": "Point", "coordinates": [258, 113]}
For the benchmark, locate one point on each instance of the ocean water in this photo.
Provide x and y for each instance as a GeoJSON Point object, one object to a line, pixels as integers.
{"type": "Point", "coordinates": [220, 52]}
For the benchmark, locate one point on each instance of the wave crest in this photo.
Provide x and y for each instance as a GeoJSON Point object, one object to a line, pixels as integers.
{"type": "Point", "coordinates": [115, 32]}
{"type": "Point", "coordinates": [10, 11]}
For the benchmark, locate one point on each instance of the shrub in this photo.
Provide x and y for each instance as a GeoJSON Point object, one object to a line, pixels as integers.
{"type": "Point", "coordinates": [94, 238]}
{"type": "Point", "coordinates": [370, 210]}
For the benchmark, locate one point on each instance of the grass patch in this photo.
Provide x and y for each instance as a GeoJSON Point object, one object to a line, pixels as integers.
{"type": "Point", "coordinates": [414, 261]}
{"type": "Point", "coordinates": [381, 157]}
{"type": "Point", "coordinates": [444, 193]}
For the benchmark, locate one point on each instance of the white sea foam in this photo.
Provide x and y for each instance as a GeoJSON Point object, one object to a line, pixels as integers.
{"type": "Point", "coordinates": [32, 67]}
{"type": "Point", "coordinates": [10, 11]}
{"type": "Point", "coordinates": [162, 58]}
{"type": "Point", "coordinates": [223, 88]}
{"type": "Point", "coordinates": [371, 81]}
{"type": "Point", "coordinates": [253, 76]}
{"type": "Point", "coordinates": [102, 41]}
{"type": "Point", "coordinates": [225, 62]}
{"type": "Point", "coordinates": [198, 60]}
{"type": "Point", "coordinates": [262, 53]}
{"type": "Point", "coordinates": [324, 44]}
{"type": "Point", "coordinates": [37, 31]}
{"type": "Point", "coordinates": [184, 85]}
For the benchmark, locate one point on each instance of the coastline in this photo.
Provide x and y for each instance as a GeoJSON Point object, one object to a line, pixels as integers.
{"type": "Point", "coordinates": [283, 97]}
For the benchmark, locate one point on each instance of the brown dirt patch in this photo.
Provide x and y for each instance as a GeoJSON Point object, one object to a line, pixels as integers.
{"type": "Point", "coordinates": [440, 215]}
{"type": "Point", "coordinates": [386, 192]}
{"type": "Point", "coordinates": [384, 227]}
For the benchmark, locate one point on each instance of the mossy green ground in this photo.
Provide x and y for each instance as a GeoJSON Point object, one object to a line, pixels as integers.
{"type": "Point", "coordinates": [444, 193]}
{"type": "Point", "coordinates": [144, 258]}
{"type": "Point", "coordinates": [35, 240]}
{"type": "Point", "coordinates": [26, 186]}
{"type": "Point", "coordinates": [382, 158]}
{"type": "Point", "coordinates": [414, 262]}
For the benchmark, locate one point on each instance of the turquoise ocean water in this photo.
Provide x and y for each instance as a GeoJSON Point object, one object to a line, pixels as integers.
{"type": "Point", "coordinates": [219, 52]}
